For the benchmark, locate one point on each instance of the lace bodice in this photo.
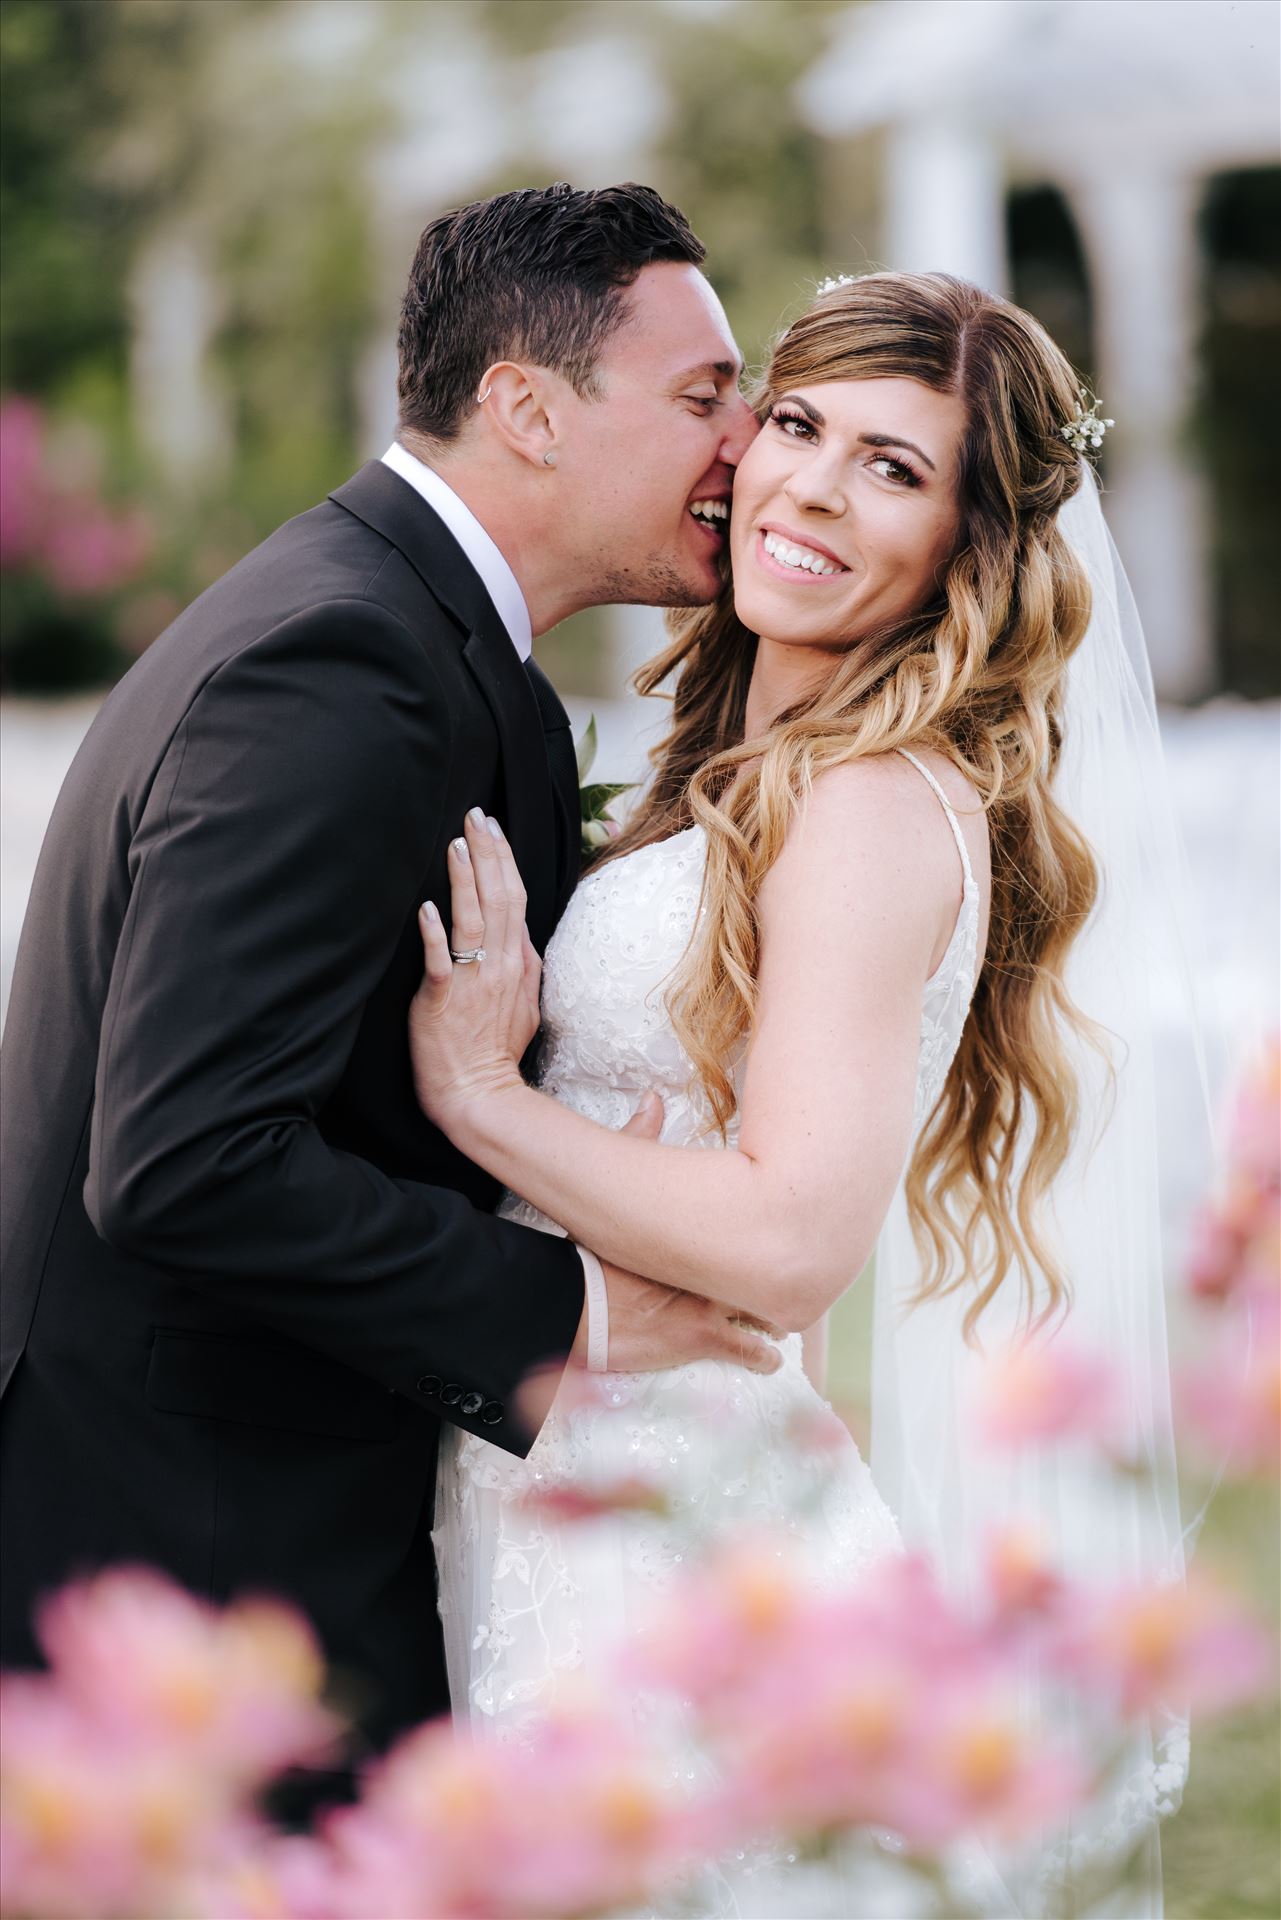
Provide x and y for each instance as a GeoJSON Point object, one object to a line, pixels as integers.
{"type": "Point", "coordinates": [608, 1035]}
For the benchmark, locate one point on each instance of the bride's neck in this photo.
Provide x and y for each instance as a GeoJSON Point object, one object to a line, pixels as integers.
{"type": "Point", "coordinates": [782, 675]}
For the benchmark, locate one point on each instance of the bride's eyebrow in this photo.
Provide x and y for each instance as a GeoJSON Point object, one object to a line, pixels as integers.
{"type": "Point", "coordinates": [816, 419]}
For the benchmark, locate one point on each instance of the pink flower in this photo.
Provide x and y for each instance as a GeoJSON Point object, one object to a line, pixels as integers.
{"type": "Point", "coordinates": [1039, 1390]}
{"type": "Point", "coordinates": [1145, 1647]}
{"type": "Point", "coordinates": [82, 546]}
{"type": "Point", "coordinates": [1021, 1580]}
{"type": "Point", "coordinates": [89, 550]}
{"type": "Point", "coordinates": [23, 493]}
{"type": "Point", "coordinates": [568, 1501]}
{"type": "Point", "coordinates": [579, 1818]}
{"type": "Point", "coordinates": [1231, 1401]}
{"type": "Point", "coordinates": [96, 1822]}
{"type": "Point", "coordinates": [236, 1690]}
{"type": "Point", "coordinates": [734, 1612]}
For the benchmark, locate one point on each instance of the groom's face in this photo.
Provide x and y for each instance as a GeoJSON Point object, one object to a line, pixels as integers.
{"type": "Point", "coordinates": [652, 458]}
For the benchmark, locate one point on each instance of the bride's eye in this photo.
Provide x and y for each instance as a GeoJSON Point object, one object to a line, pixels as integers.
{"type": "Point", "coordinates": [794, 425]}
{"type": "Point", "coordinates": [897, 470]}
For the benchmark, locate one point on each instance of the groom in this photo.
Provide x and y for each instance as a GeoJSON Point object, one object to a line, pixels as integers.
{"type": "Point", "coordinates": [244, 1278]}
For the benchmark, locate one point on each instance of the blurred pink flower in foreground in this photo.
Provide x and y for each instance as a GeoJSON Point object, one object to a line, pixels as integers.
{"type": "Point", "coordinates": [94, 1822]}
{"type": "Point", "coordinates": [578, 1818]}
{"type": "Point", "coordinates": [880, 1706]}
{"type": "Point", "coordinates": [236, 1688]}
{"type": "Point", "coordinates": [1038, 1390]}
{"type": "Point", "coordinates": [1231, 1398]}
{"type": "Point", "coordinates": [1172, 1646]}
{"type": "Point", "coordinates": [129, 1766]}
{"type": "Point", "coordinates": [79, 544]}
{"type": "Point", "coordinates": [1236, 1245]}
{"type": "Point", "coordinates": [1020, 1578]}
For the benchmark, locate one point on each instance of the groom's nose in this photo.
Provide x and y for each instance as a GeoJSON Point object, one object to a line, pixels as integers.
{"type": "Point", "coordinates": [741, 428]}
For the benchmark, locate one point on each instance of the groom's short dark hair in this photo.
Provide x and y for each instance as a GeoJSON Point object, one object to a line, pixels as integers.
{"type": "Point", "coordinates": [540, 275]}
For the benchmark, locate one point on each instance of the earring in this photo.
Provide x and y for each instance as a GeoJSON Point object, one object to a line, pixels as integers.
{"type": "Point", "coordinates": [483, 395]}
{"type": "Point", "coordinates": [549, 458]}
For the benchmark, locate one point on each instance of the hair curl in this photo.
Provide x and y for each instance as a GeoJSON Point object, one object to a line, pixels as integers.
{"type": "Point", "coordinates": [977, 675]}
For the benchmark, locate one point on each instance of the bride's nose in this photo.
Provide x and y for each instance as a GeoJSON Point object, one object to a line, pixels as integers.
{"type": "Point", "coordinates": [815, 487]}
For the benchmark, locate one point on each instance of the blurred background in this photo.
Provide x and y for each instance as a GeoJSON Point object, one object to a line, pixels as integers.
{"type": "Point", "coordinates": [209, 208]}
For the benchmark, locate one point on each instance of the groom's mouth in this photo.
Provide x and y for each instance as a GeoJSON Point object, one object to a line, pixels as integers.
{"type": "Point", "coordinates": [712, 515]}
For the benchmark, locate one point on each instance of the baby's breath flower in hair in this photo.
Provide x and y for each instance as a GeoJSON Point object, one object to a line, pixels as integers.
{"type": "Point", "coordinates": [1087, 427]}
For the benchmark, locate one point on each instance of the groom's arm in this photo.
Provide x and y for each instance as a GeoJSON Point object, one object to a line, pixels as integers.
{"type": "Point", "coordinates": [274, 867]}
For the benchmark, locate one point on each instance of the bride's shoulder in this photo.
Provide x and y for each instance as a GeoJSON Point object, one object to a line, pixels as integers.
{"type": "Point", "coordinates": [881, 801]}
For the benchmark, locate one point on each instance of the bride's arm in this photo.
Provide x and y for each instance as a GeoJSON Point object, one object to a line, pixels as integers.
{"type": "Point", "coordinates": [849, 914]}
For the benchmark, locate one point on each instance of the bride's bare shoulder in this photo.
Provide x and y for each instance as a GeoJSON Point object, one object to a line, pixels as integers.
{"type": "Point", "coordinates": [883, 797]}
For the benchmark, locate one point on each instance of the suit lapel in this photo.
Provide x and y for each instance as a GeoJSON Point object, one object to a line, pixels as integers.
{"type": "Point", "coordinates": [391, 507]}
{"type": "Point", "coordinates": [530, 819]}
{"type": "Point", "coordinates": [564, 771]}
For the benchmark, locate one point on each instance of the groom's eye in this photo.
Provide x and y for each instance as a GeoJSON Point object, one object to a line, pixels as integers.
{"type": "Point", "coordinates": [705, 400]}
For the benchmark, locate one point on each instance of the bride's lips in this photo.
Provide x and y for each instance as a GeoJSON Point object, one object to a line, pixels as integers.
{"type": "Point", "coordinates": [795, 575]}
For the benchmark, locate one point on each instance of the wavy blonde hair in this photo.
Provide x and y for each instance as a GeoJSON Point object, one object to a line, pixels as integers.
{"type": "Point", "coordinates": [977, 675]}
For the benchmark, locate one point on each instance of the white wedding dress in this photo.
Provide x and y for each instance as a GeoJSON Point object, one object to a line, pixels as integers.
{"type": "Point", "coordinates": [531, 1603]}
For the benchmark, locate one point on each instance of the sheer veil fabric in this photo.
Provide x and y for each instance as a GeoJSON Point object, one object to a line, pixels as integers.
{"type": "Point", "coordinates": [1130, 972]}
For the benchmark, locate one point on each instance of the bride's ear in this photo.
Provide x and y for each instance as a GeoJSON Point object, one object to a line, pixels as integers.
{"type": "Point", "coordinates": [520, 407]}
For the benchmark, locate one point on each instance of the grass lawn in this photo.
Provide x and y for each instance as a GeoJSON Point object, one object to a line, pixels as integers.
{"type": "Point", "coordinates": [1222, 1851]}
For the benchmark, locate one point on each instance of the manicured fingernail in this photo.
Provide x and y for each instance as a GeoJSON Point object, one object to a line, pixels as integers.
{"type": "Point", "coordinates": [494, 828]}
{"type": "Point", "coordinates": [429, 909]}
{"type": "Point", "coordinates": [460, 848]}
{"type": "Point", "coordinates": [477, 817]}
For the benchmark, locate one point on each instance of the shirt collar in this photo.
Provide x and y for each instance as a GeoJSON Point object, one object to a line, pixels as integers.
{"type": "Point", "coordinates": [500, 582]}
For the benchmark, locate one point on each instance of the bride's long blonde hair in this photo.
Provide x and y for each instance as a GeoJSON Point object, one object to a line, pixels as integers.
{"type": "Point", "coordinates": [977, 675]}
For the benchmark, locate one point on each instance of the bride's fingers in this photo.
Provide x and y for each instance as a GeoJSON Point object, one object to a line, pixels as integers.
{"type": "Point", "coordinates": [466, 918]}
{"type": "Point", "coordinates": [491, 889]}
{"type": "Point", "coordinates": [517, 899]}
{"type": "Point", "coordinates": [438, 968]}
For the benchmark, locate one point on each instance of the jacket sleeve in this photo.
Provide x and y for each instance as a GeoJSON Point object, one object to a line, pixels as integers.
{"type": "Point", "coordinates": [273, 867]}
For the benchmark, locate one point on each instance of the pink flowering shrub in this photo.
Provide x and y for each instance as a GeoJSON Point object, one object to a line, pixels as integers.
{"type": "Point", "coordinates": [64, 555]}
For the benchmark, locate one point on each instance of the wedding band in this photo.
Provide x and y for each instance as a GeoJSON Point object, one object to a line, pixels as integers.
{"type": "Point", "coordinates": [468, 957]}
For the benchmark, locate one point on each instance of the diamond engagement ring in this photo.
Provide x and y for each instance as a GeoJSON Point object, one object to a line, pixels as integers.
{"type": "Point", "coordinates": [468, 957]}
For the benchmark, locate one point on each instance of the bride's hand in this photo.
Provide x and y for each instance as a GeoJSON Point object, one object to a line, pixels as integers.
{"type": "Point", "coordinates": [470, 1022]}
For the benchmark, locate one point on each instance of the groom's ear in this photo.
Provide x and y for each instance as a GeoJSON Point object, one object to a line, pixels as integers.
{"type": "Point", "coordinates": [520, 407]}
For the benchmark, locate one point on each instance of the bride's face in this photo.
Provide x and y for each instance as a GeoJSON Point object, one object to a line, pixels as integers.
{"type": "Point", "coordinates": [845, 509]}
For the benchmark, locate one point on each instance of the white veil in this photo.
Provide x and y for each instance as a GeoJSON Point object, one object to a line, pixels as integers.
{"type": "Point", "coordinates": [1129, 971]}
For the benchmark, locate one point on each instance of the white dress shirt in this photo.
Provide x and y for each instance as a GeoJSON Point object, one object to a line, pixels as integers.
{"type": "Point", "coordinates": [503, 589]}
{"type": "Point", "coordinates": [501, 583]}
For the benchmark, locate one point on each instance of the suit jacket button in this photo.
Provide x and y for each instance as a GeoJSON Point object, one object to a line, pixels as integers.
{"type": "Point", "coordinates": [471, 1403]}
{"type": "Point", "coordinates": [451, 1394]}
{"type": "Point", "coordinates": [491, 1413]}
{"type": "Point", "coordinates": [430, 1383]}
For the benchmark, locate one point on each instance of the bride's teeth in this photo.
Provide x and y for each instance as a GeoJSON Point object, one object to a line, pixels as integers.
{"type": "Point", "coordinates": [798, 557]}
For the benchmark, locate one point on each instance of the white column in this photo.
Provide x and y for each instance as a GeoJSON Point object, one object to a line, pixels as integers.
{"type": "Point", "coordinates": [176, 405]}
{"type": "Point", "coordinates": [944, 201]}
{"type": "Point", "coordinates": [1139, 232]}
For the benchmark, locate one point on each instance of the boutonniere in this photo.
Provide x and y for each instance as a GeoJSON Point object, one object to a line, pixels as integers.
{"type": "Point", "coordinates": [596, 796]}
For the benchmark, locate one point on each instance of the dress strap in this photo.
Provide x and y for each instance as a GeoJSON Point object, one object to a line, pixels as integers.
{"type": "Point", "coordinates": [946, 804]}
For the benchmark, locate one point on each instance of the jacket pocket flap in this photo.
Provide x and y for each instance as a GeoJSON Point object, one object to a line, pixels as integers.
{"type": "Point", "coordinates": [217, 1377]}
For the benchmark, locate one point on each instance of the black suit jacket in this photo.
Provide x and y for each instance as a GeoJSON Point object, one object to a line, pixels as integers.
{"type": "Point", "coordinates": [244, 1278]}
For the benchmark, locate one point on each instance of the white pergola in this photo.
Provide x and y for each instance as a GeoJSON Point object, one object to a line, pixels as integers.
{"type": "Point", "coordinates": [1127, 106]}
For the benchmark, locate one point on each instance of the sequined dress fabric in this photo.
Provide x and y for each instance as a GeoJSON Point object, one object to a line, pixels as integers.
{"type": "Point", "coordinates": [532, 1602]}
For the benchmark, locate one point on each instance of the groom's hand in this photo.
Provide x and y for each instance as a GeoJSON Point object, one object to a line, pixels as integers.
{"type": "Point", "coordinates": [652, 1326]}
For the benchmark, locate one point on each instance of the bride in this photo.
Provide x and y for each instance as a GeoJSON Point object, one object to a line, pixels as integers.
{"type": "Point", "coordinates": [834, 940]}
